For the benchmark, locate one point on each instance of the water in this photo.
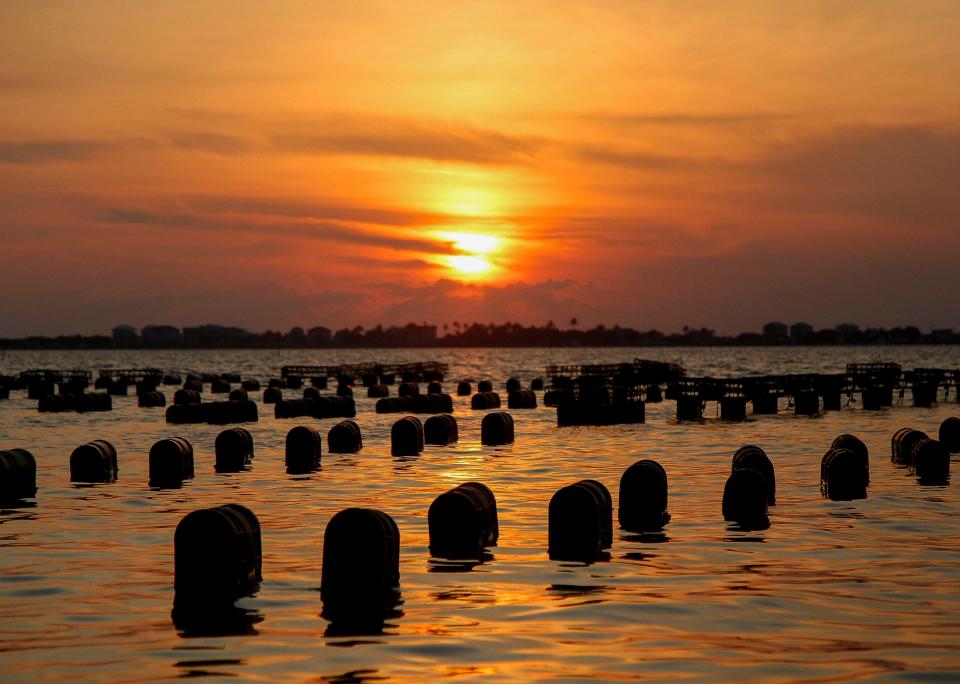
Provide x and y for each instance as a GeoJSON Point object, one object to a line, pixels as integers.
{"type": "Point", "coordinates": [832, 591]}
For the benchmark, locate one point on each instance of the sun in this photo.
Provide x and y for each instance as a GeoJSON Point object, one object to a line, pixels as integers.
{"type": "Point", "coordinates": [473, 258]}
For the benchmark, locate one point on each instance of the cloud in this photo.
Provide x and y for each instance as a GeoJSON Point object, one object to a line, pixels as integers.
{"type": "Point", "coordinates": [284, 229]}
{"type": "Point", "coordinates": [47, 151]}
{"type": "Point", "coordinates": [905, 174]}
{"type": "Point", "coordinates": [429, 140]}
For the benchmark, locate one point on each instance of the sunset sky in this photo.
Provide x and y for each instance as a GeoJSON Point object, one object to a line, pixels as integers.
{"type": "Point", "coordinates": [652, 164]}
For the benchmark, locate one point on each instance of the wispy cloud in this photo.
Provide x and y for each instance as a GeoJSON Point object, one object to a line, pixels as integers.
{"type": "Point", "coordinates": [47, 151]}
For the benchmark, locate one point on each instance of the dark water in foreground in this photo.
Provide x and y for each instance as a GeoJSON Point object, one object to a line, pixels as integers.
{"type": "Point", "coordinates": [832, 591]}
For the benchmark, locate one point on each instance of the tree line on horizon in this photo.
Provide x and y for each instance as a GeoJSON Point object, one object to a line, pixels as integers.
{"type": "Point", "coordinates": [474, 334]}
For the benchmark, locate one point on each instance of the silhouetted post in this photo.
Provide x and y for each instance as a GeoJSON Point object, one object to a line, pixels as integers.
{"type": "Point", "coordinates": [855, 445]}
{"type": "Point", "coordinates": [272, 395]}
{"type": "Point", "coordinates": [217, 557]}
{"type": "Point", "coordinates": [434, 388]}
{"type": "Point", "coordinates": [484, 386]}
{"type": "Point", "coordinates": [378, 391]}
{"type": "Point", "coordinates": [806, 403]}
{"type": "Point", "coordinates": [344, 438]}
{"type": "Point", "coordinates": [408, 389]}
{"type": "Point", "coordinates": [406, 437]}
{"type": "Point", "coordinates": [765, 405]}
{"type": "Point", "coordinates": [901, 444]}
{"type": "Point", "coordinates": [360, 580]}
{"type": "Point", "coordinates": [464, 389]}
{"type": "Point", "coordinates": [522, 399]}
{"type": "Point", "coordinates": [184, 397]}
{"type": "Point", "coordinates": [303, 449]}
{"type": "Point", "coordinates": [496, 428]}
{"type": "Point", "coordinates": [151, 399]}
{"type": "Point", "coordinates": [513, 385]}
{"type": "Point", "coordinates": [94, 461]}
{"type": "Point", "coordinates": [233, 449]}
{"type": "Point", "coordinates": [733, 408]}
{"type": "Point", "coordinates": [440, 430]}
{"type": "Point", "coordinates": [485, 400]}
{"type": "Point", "coordinates": [18, 475]}
{"type": "Point", "coordinates": [580, 521]}
{"type": "Point", "coordinates": [536, 384]}
{"type": "Point", "coordinates": [463, 521]}
{"type": "Point", "coordinates": [950, 434]}
{"type": "Point", "coordinates": [251, 385]}
{"type": "Point", "coordinates": [171, 462]}
{"type": "Point", "coordinates": [643, 497]}
{"type": "Point", "coordinates": [931, 462]}
{"type": "Point", "coordinates": [755, 458]}
{"type": "Point", "coordinates": [689, 408]}
{"type": "Point", "coordinates": [745, 499]}
{"type": "Point", "coordinates": [842, 475]}
{"type": "Point", "coordinates": [924, 394]}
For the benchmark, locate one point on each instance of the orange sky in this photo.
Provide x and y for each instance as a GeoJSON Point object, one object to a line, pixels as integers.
{"type": "Point", "coordinates": [651, 164]}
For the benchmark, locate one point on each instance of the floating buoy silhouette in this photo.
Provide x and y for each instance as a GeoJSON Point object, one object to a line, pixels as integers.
{"type": "Point", "coordinates": [463, 521]}
{"type": "Point", "coordinates": [360, 579]}
{"type": "Point", "coordinates": [580, 521]}
{"type": "Point", "coordinates": [233, 450]}
{"type": "Point", "coordinates": [406, 437]}
{"type": "Point", "coordinates": [94, 461]}
{"type": "Point", "coordinates": [344, 438]}
{"type": "Point", "coordinates": [643, 497]}
{"type": "Point", "coordinates": [18, 475]}
{"type": "Point", "coordinates": [217, 557]}
{"type": "Point", "coordinates": [755, 458]}
{"type": "Point", "coordinates": [440, 430]}
{"type": "Point", "coordinates": [171, 462]}
{"type": "Point", "coordinates": [303, 449]}
{"type": "Point", "coordinates": [745, 497]}
{"type": "Point", "coordinates": [497, 428]}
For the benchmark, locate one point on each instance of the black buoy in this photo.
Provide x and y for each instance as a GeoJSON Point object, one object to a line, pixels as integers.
{"type": "Point", "coordinates": [171, 462]}
{"type": "Point", "coordinates": [344, 438]}
{"type": "Point", "coordinates": [294, 382]}
{"type": "Point", "coordinates": [406, 437]}
{"type": "Point", "coordinates": [151, 399]}
{"type": "Point", "coordinates": [408, 389]}
{"type": "Point", "coordinates": [217, 557]}
{"type": "Point", "coordinates": [463, 521]}
{"type": "Point", "coordinates": [319, 381]}
{"type": "Point", "coordinates": [950, 434]}
{"type": "Point", "coordinates": [378, 391]}
{"type": "Point", "coordinates": [856, 445]}
{"type": "Point", "coordinates": [239, 394]}
{"type": "Point", "coordinates": [434, 388]}
{"type": "Point", "coordinates": [580, 521]}
{"type": "Point", "coordinates": [484, 386]}
{"type": "Point", "coordinates": [522, 399]}
{"type": "Point", "coordinates": [344, 390]}
{"type": "Point", "coordinates": [755, 458]}
{"type": "Point", "coordinates": [219, 386]}
{"type": "Point", "coordinates": [931, 461]}
{"type": "Point", "coordinates": [272, 395]}
{"type": "Point", "coordinates": [496, 428]}
{"type": "Point", "coordinates": [513, 385]}
{"type": "Point", "coordinates": [901, 444]}
{"type": "Point", "coordinates": [745, 498]}
{"type": "Point", "coordinates": [485, 400]}
{"type": "Point", "coordinates": [464, 389]}
{"type": "Point", "coordinates": [440, 430]}
{"type": "Point", "coordinates": [536, 384]}
{"type": "Point", "coordinates": [303, 449]}
{"type": "Point", "coordinates": [183, 397]}
{"type": "Point", "coordinates": [360, 579]}
{"type": "Point", "coordinates": [842, 475]}
{"type": "Point", "coordinates": [224, 412]}
{"type": "Point", "coordinates": [94, 461]}
{"type": "Point", "coordinates": [186, 414]}
{"type": "Point", "coordinates": [643, 497]}
{"type": "Point", "coordinates": [234, 450]}
{"type": "Point", "coordinates": [924, 394]}
{"type": "Point", "coordinates": [251, 385]}
{"type": "Point", "coordinates": [18, 475]}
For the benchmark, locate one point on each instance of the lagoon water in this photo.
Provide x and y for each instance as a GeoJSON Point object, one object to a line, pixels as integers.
{"type": "Point", "coordinates": [832, 591]}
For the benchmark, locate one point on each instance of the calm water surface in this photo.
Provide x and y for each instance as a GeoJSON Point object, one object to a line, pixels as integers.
{"type": "Point", "coordinates": [862, 590]}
